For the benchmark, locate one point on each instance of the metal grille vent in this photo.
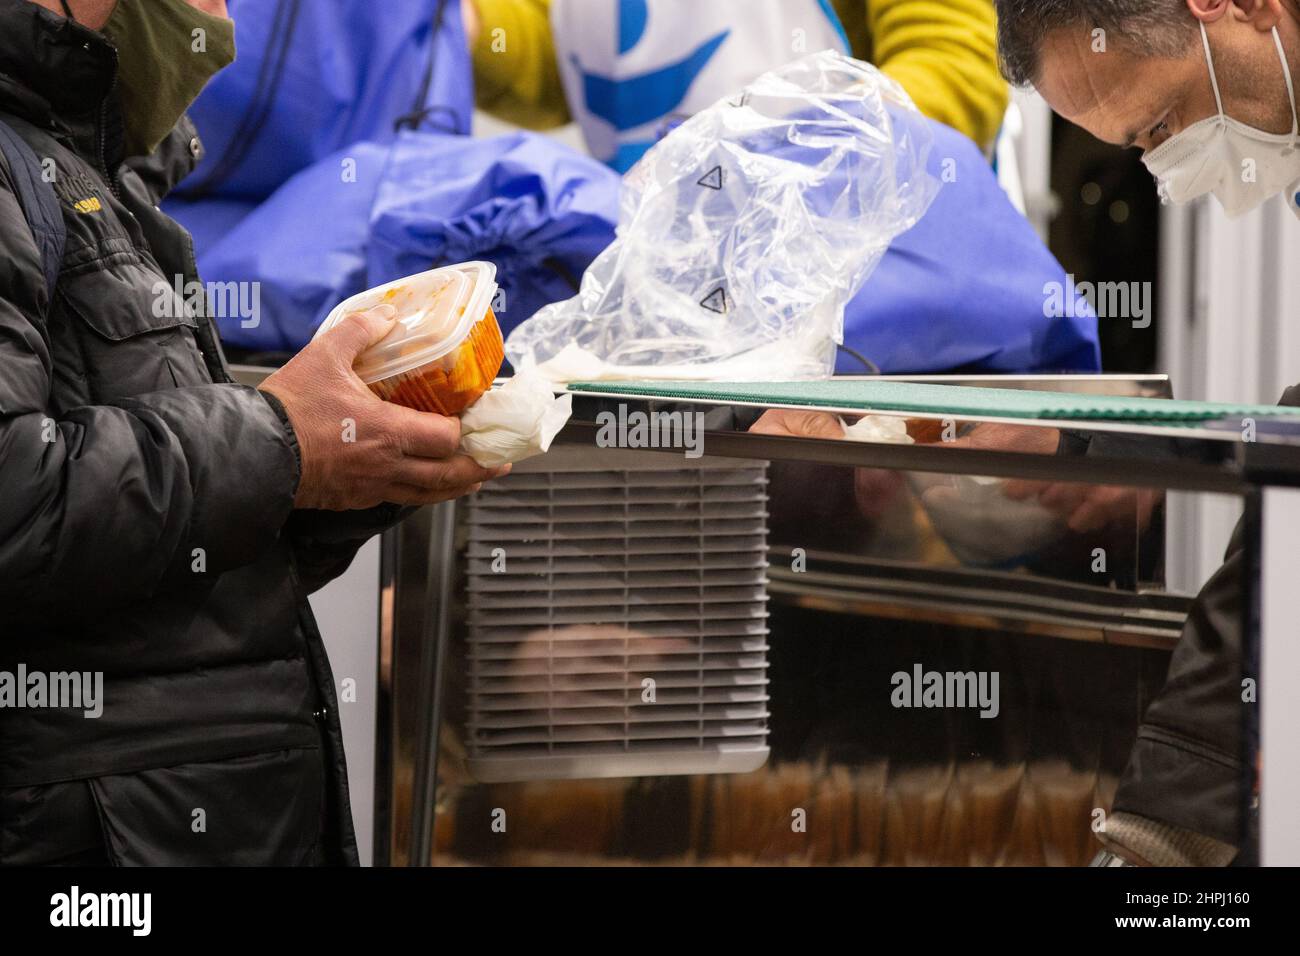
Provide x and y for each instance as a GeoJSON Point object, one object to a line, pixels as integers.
{"type": "Point", "coordinates": [589, 576]}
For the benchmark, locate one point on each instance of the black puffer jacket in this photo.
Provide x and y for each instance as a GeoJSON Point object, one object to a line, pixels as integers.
{"type": "Point", "coordinates": [1186, 769]}
{"type": "Point", "coordinates": [146, 523]}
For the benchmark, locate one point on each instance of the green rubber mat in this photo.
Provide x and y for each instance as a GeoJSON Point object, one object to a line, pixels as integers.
{"type": "Point", "coordinates": [920, 397]}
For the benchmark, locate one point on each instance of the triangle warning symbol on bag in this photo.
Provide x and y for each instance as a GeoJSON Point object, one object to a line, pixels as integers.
{"type": "Point", "coordinates": [716, 301]}
{"type": "Point", "coordinates": [712, 179]}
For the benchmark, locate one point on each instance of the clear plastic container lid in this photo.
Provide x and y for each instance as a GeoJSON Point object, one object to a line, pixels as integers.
{"type": "Point", "coordinates": [435, 312]}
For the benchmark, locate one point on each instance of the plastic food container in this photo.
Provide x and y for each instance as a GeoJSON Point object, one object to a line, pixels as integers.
{"type": "Point", "coordinates": [446, 348]}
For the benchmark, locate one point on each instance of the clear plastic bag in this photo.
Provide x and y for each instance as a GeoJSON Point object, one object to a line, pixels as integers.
{"type": "Point", "coordinates": [744, 233]}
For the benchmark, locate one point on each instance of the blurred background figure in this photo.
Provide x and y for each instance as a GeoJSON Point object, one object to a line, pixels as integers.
{"type": "Point", "coordinates": [622, 68]}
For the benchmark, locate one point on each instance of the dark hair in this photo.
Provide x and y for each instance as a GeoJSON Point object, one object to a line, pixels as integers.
{"type": "Point", "coordinates": [1148, 27]}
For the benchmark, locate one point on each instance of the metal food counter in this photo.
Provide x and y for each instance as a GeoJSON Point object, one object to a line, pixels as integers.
{"type": "Point", "coordinates": [933, 646]}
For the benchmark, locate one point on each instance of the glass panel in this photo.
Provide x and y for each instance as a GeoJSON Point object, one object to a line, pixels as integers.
{"type": "Point", "coordinates": [947, 661]}
{"type": "Point", "coordinates": [949, 680]}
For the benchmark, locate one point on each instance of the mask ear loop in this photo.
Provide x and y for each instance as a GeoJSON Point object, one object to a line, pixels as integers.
{"type": "Point", "coordinates": [1214, 79]}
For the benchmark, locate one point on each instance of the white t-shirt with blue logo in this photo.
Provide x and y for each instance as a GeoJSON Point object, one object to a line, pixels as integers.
{"type": "Point", "coordinates": [630, 67]}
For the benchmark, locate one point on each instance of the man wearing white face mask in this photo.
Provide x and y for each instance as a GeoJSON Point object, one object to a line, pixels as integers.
{"type": "Point", "coordinates": [1206, 88]}
{"type": "Point", "coordinates": [1241, 165]}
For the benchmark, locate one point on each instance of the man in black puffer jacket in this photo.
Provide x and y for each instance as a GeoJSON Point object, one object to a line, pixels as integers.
{"type": "Point", "coordinates": [160, 525]}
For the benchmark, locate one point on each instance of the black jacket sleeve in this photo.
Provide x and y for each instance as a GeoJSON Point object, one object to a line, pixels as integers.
{"type": "Point", "coordinates": [1186, 767]}
{"type": "Point", "coordinates": [325, 542]}
{"type": "Point", "coordinates": [101, 504]}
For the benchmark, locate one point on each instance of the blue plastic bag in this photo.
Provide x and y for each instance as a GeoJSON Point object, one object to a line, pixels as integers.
{"type": "Point", "coordinates": [304, 247]}
{"type": "Point", "coordinates": [209, 220]}
{"type": "Point", "coordinates": [312, 76]}
{"type": "Point", "coordinates": [962, 289]}
{"type": "Point", "coordinates": [965, 287]}
{"type": "Point", "coordinates": [536, 209]}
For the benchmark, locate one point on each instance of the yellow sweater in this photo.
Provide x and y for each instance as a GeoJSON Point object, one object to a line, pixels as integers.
{"type": "Point", "coordinates": [943, 52]}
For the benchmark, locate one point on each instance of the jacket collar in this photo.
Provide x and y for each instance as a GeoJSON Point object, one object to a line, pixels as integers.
{"type": "Point", "coordinates": [56, 74]}
{"type": "Point", "coordinates": [51, 67]}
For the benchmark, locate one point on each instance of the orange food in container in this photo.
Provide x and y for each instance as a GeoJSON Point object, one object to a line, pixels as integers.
{"type": "Point", "coordinates": [446, 348]}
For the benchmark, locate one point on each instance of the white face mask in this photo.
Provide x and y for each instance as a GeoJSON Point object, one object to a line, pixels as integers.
{"type": "Point", "coordinates": [1241, 165]}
